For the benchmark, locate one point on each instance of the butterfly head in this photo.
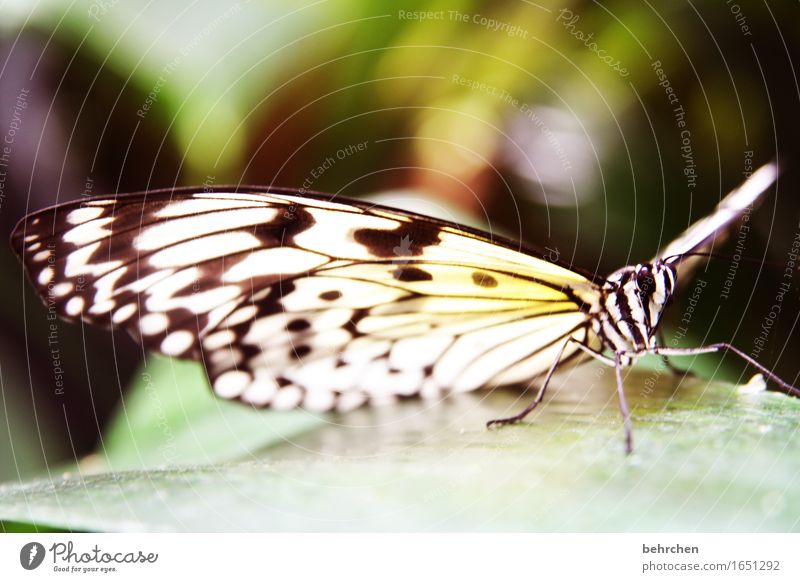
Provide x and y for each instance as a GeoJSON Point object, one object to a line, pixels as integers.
{"type": "Point", "coordinates": [635, 299]}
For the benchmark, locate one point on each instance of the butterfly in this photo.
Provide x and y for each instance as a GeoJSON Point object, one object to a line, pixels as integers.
{"type": "Point", "coordinates": [309, 300]}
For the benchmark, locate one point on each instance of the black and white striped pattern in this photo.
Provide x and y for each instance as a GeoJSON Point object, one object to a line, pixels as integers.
{"type": "Point", "coordinates": [634, 298]}
{"type": "Point", "coordinates": [307, 301]}
{"type": "Point", "coordinates": [632, 303]}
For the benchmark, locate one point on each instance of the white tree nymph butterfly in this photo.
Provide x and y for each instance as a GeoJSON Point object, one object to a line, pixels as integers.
{"type": "Point", "coordinates": [326, 303]}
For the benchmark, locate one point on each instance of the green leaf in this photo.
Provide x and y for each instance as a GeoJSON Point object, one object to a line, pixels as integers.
{"type": "Point", "coordinates": [170, 417]}
{"type": "Point", "coordinates": [22, 527]}
{"type": "Point", "coordinates": [707, 458]}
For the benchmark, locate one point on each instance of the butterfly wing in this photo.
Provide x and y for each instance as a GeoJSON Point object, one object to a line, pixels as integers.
{"type": "Point", "coordinates": [304, 300]}
{"type": "Point", "coordinates": [702, 233]}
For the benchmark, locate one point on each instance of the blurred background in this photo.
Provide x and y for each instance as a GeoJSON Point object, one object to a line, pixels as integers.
{"type": "Point", "coordinates": [596, 130]}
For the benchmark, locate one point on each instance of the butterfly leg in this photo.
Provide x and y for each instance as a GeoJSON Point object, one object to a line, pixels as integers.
{"type": "Point", "coordinates": [783, 386]}
{"type": "Point", "coordinates": [668, 363]}
{"type": "Point", "coordinates": [539, 395]}
{"type": "Point", "coordinates": [623, 405]}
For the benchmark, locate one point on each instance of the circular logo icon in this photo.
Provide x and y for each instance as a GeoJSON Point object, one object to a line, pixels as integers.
{"type": "Point", "coordinates": [31, 555]}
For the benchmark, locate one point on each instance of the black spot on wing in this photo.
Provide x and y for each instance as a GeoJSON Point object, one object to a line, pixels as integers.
{"type": "Point", "coordinates": [411, 274]}
{"type": "Point", "coordinates": [299, 352]}
{"type": "Point", "coordinates": [289, 224]}
{"type": "Point", "coordinates": [483, 279]}
{"type": "Point", "coordinates": [330, 295]}
{"type": "Point", "coordinates": [408, 239]}
{"type": "Point", "coordinates": [299, 324]}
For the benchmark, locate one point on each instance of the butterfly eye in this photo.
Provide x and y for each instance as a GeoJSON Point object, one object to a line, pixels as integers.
{"type": "Point", "coordinates": [645, 285]}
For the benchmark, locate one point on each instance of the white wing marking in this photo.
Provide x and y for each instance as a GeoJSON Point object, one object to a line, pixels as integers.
{"type": "Point", "coordinates": [732, 207]}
